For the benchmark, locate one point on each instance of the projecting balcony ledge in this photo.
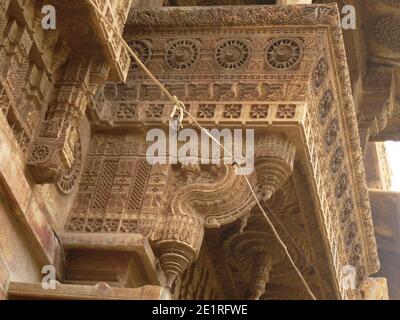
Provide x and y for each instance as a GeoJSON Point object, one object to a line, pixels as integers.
{"type": "Point", "coordinates": [100, 291]}
{"type": "Point", "coordinates": [122, 259]}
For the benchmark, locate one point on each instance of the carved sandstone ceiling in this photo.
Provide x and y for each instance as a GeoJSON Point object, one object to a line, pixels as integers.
{"type": "Point", "coordinates": [244, 247]}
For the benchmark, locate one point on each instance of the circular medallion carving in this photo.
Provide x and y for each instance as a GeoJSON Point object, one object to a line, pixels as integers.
{"type": "Point", "coordinates": [232, 53]}
{"type": "Point", "coordinates": [283, 53]}
{"type": "Point", "coordinates": [40, 153]}
{"type": "Point", "coordinates": [68, 176]}
{"type": "Point", "coordinates": [142, 50]}
{"type": "Point", "coordinates": [320, 72]}
{"type": "Point", "coordinates": [387, 31]}
{"type": "Point", "coordinates": [325, 105]}
{"type": "Point", "coordinates": [182, 54]}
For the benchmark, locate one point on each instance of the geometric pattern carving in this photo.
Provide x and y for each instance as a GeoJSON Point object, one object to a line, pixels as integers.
{"type": "Point", "coordinates": [182, 54]}
{"type": "Point", "coordinates": [139, 186]}
{"type": "Point", "coordinates": [259, 111]}
{"type": "Point", "coordinates": [111, 189]}
{"type": "Point", "coordinates": [232, 111]}
{"type": "Point", "coordinates": [232, 54]}
{"type": "Point", "coordinates": [286, 111]}
{"type": "Point", "coordinates": [206, 111]}
{"type": "Point", "coordinates": [284, 53]}
{"type": "Point", "coordinates": [105, 184]}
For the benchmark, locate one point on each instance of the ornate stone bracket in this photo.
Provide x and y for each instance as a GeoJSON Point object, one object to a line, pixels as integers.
{"type": "Point", "coordinates": [198, 204]}
{"type": "Point", "coordinates": [53, 149]}
{"type": "Point", "coordinates": [377, 103]}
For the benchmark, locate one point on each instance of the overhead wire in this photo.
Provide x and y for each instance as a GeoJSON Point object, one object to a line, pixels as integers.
{"type": "Point", "coordinates": [180, 106]}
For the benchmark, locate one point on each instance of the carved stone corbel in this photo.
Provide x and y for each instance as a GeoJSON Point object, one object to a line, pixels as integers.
{"type": "Point", "coordinates": [274, 159]}
{"type": "Point", "coordinates": [253, 255]}
{"type": "Point", "coordinates": [54, 145]}
{"type": "Point", "coordinates": [377, 103]}
{"type": "Point", "coordinates": [208, 196]}
{"type": "Point", "coordinates": [219, 198]}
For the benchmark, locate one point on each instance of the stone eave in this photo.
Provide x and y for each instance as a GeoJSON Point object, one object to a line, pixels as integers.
{"type": "Point", "coordinates": [301, 15]}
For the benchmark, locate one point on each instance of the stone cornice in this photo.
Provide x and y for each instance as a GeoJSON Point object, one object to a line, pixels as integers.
{"type": "Point", "coordinates": [304, 15]}
{"type": "Point", "coordinates": [229, 16]}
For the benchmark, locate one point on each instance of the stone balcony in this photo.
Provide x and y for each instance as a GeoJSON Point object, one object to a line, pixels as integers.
{"type": "Point", "coordinates": [278, 70]}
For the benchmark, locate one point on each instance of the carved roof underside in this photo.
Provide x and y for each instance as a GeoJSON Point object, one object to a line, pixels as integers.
{"type": "Point", "coordinates": [293, 213]}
